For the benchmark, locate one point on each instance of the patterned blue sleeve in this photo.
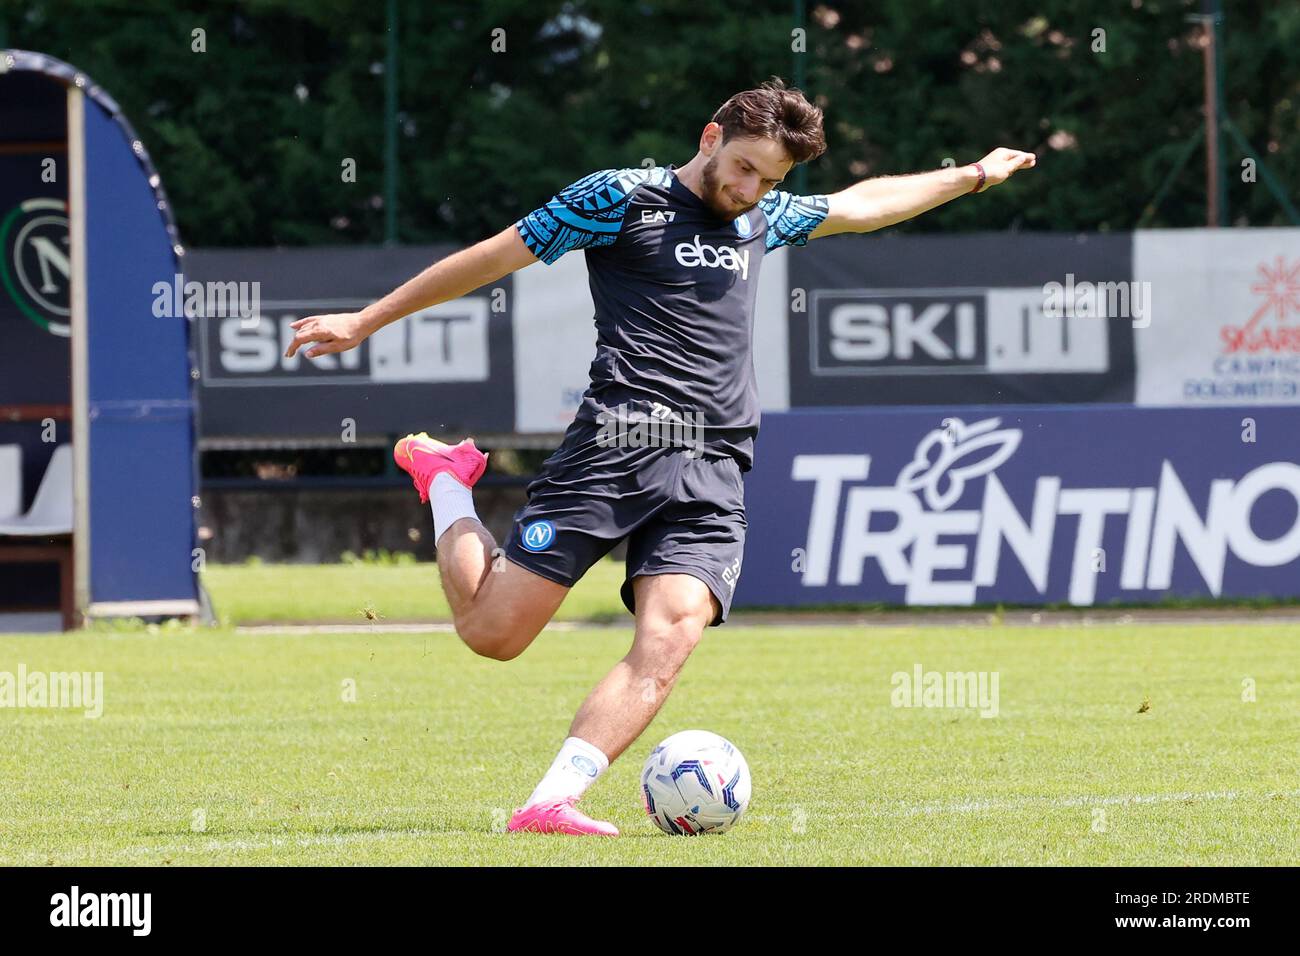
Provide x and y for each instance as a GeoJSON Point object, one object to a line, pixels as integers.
{"type": "Point", "coordinates": [791, 218]}
{"type": "Point", "coordinates": [585, 214]}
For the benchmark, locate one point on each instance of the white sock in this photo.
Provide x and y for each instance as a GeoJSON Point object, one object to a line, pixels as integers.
{"type": "Point", "coordinates": [577, 766]}
{"type": "Point", "coordinates": [450, 501]}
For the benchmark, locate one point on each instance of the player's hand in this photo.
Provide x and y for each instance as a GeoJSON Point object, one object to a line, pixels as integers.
{"type": "Point", "coordinates": [333, 333]}
{"type": "Point", "coordinates": [1002, 162]}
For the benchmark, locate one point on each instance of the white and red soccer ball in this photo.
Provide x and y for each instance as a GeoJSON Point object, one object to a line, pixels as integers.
{"type": "Point", "coordinates": [695, 782]}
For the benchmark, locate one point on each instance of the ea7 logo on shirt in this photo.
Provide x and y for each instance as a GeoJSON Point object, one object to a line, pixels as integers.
{"type": "Point", "coordinates": [695, 254]}
{"type": "Point", "coordinates": [650, 216]}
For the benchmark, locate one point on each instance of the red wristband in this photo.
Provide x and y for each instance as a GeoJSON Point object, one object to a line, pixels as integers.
{"type": "Point", "coordinates": [979, 185]}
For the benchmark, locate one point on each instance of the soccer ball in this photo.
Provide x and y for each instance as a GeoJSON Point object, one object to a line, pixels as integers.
{"type": "Point", "coordinates": [695, 782]}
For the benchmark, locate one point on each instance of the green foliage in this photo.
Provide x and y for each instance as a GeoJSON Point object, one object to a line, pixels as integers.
{"type": "Point", "coordinates": [250, 136]}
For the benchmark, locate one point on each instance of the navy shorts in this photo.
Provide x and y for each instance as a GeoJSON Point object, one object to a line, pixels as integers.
{"type": "Point", "coordinates": [682, 513]}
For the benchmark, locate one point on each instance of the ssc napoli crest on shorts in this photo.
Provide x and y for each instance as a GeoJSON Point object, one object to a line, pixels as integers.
{"type": "Point", "coordinates": [537, 536]}
{"type": "Point", "coordinates": [742, 225]}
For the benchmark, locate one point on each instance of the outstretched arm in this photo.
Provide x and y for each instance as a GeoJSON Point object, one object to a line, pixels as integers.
{"type": "Point", "coordinates": [586, 213]}
{"type": "Point", "coordinates": [886, 200]}
{"type": "Point", "coordinates": [450, 278]}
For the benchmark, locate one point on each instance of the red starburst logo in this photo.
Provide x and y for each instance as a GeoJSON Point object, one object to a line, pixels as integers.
{"type": "Point", "coordinates": [1279, 284]}
{"type": "Point", "coordinates": [1280, 287]}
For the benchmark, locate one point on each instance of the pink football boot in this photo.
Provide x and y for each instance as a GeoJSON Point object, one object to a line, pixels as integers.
{"type": "Point", "coordinates": [560, 816]}
{"type": "Point", "coordinates": [424, 458]}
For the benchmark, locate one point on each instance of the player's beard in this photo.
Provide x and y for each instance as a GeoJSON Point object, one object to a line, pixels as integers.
{"type": "Point", "coordinates": [715, 198]}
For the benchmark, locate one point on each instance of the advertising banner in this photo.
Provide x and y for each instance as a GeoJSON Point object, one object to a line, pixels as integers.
{"type": "Point", "coordinates": [35, 272]}
{"type": "Point", "coordinates": [1225, 324]}
{"type": "Point", "coordinates": [1191, 317]}
{"type": "Point", "coordinates": [1084, 505]}
{"type": "Point", "coordinates": [448, 368]}
{"type": "Point", "coordinates": [969, 319]}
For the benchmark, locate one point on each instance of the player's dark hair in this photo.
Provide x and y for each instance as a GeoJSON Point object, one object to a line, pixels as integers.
{"type": "Point", "coordinates": [774, 111]}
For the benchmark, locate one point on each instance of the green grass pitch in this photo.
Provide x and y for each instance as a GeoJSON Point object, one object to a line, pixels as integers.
{"type": "Point", "coordinates": [218, 747]}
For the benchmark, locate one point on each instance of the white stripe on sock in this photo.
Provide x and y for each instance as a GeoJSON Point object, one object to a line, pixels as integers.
{"type": "Point", "coordinates": [450, 501]}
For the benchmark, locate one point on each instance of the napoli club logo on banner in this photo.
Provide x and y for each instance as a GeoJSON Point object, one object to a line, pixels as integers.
{"type": "Point", "coordinates": [35, 267]}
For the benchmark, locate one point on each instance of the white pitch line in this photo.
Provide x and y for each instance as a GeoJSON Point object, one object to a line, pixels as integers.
{"type": "Point", "coordinates": [201, 845]}
{"type": "Point", "coordinates": [243, 845]}
{"type": "Point", "coordinates": [1021, 803]}
{"type": "Point", "coordinates": [363, 628]}
{"type": "Point", "coordinates": [895, 620]}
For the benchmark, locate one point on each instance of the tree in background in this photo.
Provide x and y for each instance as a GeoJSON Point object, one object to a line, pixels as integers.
{"type": "Point", "coordinates": [504, 101]}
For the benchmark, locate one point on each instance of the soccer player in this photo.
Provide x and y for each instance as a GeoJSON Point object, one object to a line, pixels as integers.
{"type": "Point", "coordinates": [673, 257]}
